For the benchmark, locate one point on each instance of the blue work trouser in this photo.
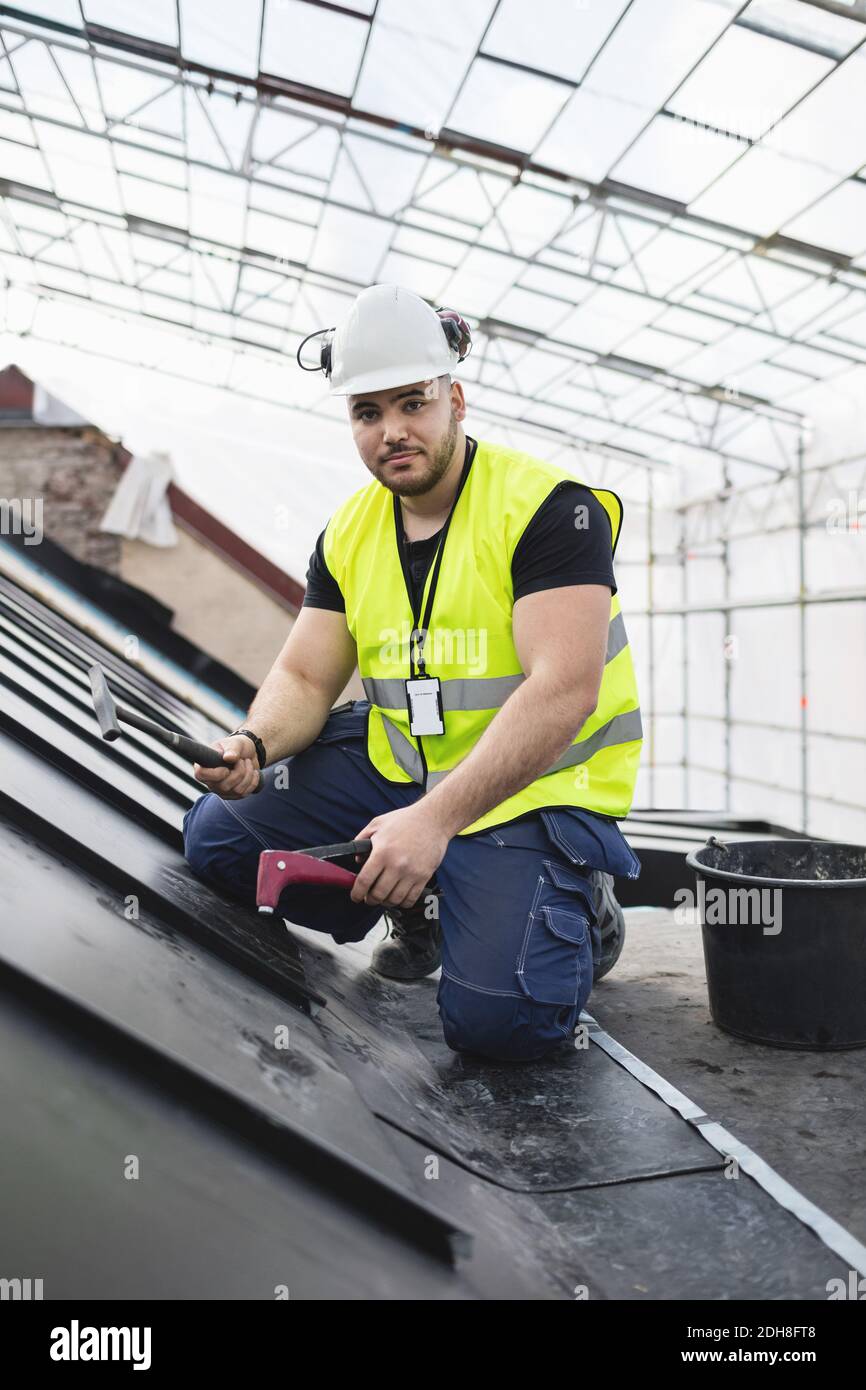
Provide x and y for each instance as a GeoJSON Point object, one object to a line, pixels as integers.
{"type": "Point", "coordinates": [516, 908]}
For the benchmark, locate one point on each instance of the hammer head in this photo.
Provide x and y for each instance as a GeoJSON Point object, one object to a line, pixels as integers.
{"type": "Point", "coordinates": [278, 868]}
{"type": "Point", "coordinates": [103, 703]}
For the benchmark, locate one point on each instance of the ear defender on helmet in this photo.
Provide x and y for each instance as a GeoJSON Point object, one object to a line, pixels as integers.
{"type": "Point", "coordinates": [456, 331]}
{"type": "Point", "coordinates": [454, 326]}
{"type": "Point", "coordinates": [324, 362]}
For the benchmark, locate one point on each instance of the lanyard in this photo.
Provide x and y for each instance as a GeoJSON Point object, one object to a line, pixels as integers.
{"type": "Point", "coordinates": [421, 633]}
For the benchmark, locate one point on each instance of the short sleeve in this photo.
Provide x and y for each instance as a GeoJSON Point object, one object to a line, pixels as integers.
{"type": "Point", "coordinates": [568, 541]}
{"type": "Point", "coordinates": [323, 591]}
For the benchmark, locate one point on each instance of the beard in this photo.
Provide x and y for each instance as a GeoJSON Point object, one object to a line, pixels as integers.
{"type": "Point", "coordinates": [436, 467]}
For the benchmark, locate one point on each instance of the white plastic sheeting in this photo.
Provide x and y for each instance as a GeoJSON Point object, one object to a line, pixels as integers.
{"type": "Point", "coordinates": [49, 410]}
{"type": "Point", "coordinates": [140, 509]}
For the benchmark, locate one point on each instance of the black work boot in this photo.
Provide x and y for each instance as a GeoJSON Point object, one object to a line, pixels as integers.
{"type": "Point", "coordinates": [611, 922]}
{"type": "Point", "coordinates": [414, 945]}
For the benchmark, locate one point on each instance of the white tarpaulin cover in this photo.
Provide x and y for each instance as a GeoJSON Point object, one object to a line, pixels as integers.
{"type": "Point", "coordinates": [140, 507]}
{"type": "Point", "coordinates": [49, 410]}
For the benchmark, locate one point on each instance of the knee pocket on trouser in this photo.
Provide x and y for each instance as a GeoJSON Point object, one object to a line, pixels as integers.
{"type": "Point", "coordinates": [555, 962]}
{"type": "Point", "coordinates": [502, 1027]}
{"type": "Point", "coordinates": [552, 980]}
{"type": "Point", "coordinates": [554, 970]}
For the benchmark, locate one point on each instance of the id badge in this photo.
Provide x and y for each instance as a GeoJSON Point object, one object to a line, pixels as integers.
{"type": "Point", "coordinates": [424, 703]}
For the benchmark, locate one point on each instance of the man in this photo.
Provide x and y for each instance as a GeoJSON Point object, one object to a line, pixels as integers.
{"type": "Point", "coordinates": [473, 586]}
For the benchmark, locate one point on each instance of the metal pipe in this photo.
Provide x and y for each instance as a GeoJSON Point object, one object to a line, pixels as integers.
{"type": "Point", "coordinates": [804, 675]}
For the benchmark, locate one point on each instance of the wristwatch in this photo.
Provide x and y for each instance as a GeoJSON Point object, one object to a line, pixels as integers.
{"type": "Point", "coordinates": [257, 744]}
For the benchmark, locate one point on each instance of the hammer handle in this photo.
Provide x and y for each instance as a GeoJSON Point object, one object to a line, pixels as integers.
{"type": "Point", "coordinates": [340, 851]}
{"type": "Point", "coordinates": [200, 753]}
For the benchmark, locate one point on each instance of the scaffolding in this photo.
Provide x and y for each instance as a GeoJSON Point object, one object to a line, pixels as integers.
{"type": "Point", "coordinates": [195, 197]}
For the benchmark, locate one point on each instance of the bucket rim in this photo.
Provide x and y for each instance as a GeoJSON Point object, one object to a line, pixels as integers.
{"type": "Point", "coordinates": [708, 872]}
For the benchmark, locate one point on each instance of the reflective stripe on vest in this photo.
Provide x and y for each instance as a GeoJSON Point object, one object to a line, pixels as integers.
{"type": "Point", "coordinates": [478, 692]}
{"type": "Point", "coordinates": [621, 729]}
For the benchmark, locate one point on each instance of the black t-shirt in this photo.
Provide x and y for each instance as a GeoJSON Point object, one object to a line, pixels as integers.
{"type": "Point", "coordinates": [567, 541]}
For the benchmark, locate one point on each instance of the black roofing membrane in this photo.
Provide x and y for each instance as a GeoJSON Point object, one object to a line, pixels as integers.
{"type": "Point", "coordinates": [210, 1216]}
{"type": "Point", "coordinates": [574, 1120]}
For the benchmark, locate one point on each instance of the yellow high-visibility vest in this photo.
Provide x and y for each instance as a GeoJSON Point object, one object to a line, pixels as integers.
{"type": "Point", "coordinates": [469, 643]}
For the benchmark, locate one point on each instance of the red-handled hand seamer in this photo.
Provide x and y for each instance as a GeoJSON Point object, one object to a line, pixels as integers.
{"type": "Point", "coordinates": [278, 868]}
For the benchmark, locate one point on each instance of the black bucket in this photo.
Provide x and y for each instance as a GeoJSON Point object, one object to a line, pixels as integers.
{"type": "Point", "coordinates": [786, 965]}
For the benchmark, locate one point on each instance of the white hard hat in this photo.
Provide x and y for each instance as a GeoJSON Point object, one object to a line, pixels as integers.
{"type": "Point", "coordinates": [390, 337]}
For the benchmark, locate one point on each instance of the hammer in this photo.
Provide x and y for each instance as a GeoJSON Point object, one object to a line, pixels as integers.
{"type": "Point", "coordinates": [108, 714]}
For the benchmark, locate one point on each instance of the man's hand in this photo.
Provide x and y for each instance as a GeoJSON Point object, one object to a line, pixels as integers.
{"type": "Point", "coordinates": [408, 847]}
{"type": "Point", "coordinates": [237, 780]}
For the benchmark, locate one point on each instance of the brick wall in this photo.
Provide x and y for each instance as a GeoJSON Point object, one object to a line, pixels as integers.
{"type": "Point", "coordinates": [75, 473]}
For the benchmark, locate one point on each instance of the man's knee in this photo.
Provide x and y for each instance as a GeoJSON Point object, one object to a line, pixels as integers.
{"type": "Point", "coordinates": [201, 837]}
{"type": "Point", "coordinates": [502, 1027]}
{"type": "Point", "coordinates": [216, 847]}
